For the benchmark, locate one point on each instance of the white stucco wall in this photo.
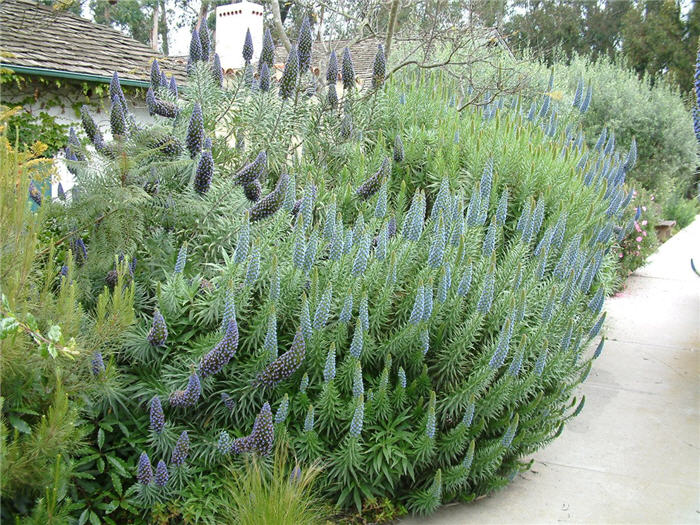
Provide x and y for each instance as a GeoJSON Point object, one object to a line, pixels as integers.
{"type": "Point", "coordinates": [68, 95]}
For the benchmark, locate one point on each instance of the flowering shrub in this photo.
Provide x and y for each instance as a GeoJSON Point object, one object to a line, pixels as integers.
{"type": "Point", "coordinates": [638, 238]}
{"type": "Point", "coordinates": [410, 303]}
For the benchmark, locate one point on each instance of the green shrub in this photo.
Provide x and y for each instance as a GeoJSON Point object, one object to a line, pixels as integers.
{"type": "Point", "coordinates": [640, 242]}
{"type": "Point", "coordinates": [681, 210]}
{"type": "Point", "coordinates": [419, 325]}
{"type": "Point", "coordinates": [654, 114]}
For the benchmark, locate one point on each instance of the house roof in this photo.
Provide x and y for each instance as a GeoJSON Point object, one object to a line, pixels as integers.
{"type": "Point", "coordinates": [362, 53]}
{"type": "Point", "coordinates": [40, 40]}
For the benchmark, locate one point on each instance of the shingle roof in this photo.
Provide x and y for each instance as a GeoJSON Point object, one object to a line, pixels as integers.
{"type": "Point", "coordinates": [63, 44]}
{"type": "Point", "coordinates": [362, 53]}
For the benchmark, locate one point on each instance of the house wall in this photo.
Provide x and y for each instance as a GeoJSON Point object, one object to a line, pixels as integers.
{"type": "Point", "coordinates": [63, 103]}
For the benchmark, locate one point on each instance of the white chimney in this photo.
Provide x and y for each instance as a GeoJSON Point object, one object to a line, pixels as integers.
{"type": "Point", "coordinates": [232, 22]}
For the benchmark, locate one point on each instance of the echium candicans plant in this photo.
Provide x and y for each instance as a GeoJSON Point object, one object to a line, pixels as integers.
{"type": "Point", "coordinates": [458, 251]}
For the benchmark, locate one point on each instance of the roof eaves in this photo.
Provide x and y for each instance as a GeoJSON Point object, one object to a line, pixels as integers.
{"type": "Point", "coordinates": [47, 72]}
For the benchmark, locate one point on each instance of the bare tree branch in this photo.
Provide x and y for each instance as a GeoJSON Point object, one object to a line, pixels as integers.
{"type": "Point", "coordinates": [277, 19]}
{"type": "Point", "coordinates": [392, 25]}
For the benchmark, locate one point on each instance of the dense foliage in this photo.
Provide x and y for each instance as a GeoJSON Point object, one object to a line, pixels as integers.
{"type": "Point", "coordinates": [655, 116]}
{"type": "Point", "coordinates": [398, 288]}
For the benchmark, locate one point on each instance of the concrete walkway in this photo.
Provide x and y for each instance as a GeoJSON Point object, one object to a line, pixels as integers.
{"type": "Point", "coordinates": [633, 454]}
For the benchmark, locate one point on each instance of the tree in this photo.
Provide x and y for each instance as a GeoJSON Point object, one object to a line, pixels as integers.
{"type": "Point", "coordinates": [143, 20]}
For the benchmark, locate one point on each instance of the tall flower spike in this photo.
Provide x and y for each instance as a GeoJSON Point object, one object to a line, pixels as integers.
{"type": "Point", "coordinates": [163, 80]}
{"type": "Point", "coordinates": [115, 90]}
{"type": "Point", "coordinates": [282, 410]}
{"type": "Point", "coordinates": [289, 76]}
{"type": "Point", "coordinates": [362, 257]}
{"type": "Point", "coordinates": [346, 312]}
{"type": "Point", "coordinates": [190, 396]}
{"type": "Point", "coordinates": [348, 70]}
{"type": "Point", "coordinates": [357, 341]}
{"type": "Point", "coordinates": [267, 54]}
{"type": "Point", "coordinates": [332, 70]}
{"type": "Point", "coordinates": [264, 78]}
{"type": "Point", "coordinates": [502, 209]}
{"type": "Point", "coordinates": [204, 173]}
{"type": "Point", "coordinates": [309, 420]}
{"type": "Point", "coordinates": [89, 125]}
{"type": "Point", "coordinates": [370, 186]}
{"type": "Point", "coordinates": [195, 47]}
{"type": "Point", "coordinates": [428, 300]}
{"type": "Point", "coordinates": [417, 311]}
{"type": "Point", "coordinates": [487, 291]}
{"type": "Point", "coordinates": [195, 131]}
{"type": "Point", "coordinates": [224, 443]}
{"type": "Point", "coordinates": [304, 383]}
{"type": "Point", "coordinates": [445, 283]}
{"type": "Point", "coordinates": [144, 473]}
{"type": "Point", "coordinates": [156, 106]}
{"type": "Point", "coordinates": [253, 170]}
{"type": "Point", "coordinates": [332, 96]}
{"type": "Point", "coordinates": [172, 86]}
{"type": "Point", "coordinates": [466, 281]}
{"type": "Point", "coordinates": [156, 415]}
{"type": "Point", "coordinates": [181, 259]}
{"type": "Point", "coordinates": [219, 356]}
{"type": "Point", "coordinates": [363, 312]}
{"type": "Point", "coordinates": [181, 450]}
{"type": "Point", "coordinates": [310, 255]}
{"type": "Point", "coordinates": [379, 67]}
{"type": "Point", "coordinates": [285, 365]}
{"type": "Point", "coordinates": [272, 202]}
{"type": "Point", "coordinates": [243, 243]}
{"type": "Point", "coordinates": [402, 377]}
{"type": "Point", "coordinates": [204, 41]}
{"type": "Point", "coordinates": [329, 367]}
{"type": "Point", "coordinates": [304, 45]}
{"type": "Point", "coordinates": [358, 419]}
{"type": "Point", "coordinates": [270, 343]}
{"type": "Point", "coordinates": [398, 148]}
{"type": "Point", "coordinates": [382, 201]}
{"type": "Point", "coordinates": [97, 364]}
{"type": "Point", "coordinates": [217, 71]}
{"type": "Point", "coordinates": [323, 308]}
{"type": "Point", "coordinates": [358, 388]}
{"type": "Point", "coordinates": [155, 75]}
{"type": "Point", "coordinates": [248, 47]}
{"type": "Point", "coordinates": [161, 477]}
{"type": "Point", "coordinates": [262, 438]}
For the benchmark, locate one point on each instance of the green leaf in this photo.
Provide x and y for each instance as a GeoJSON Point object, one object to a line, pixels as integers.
{"type": "Point", "coordinates": [54, 333]}
{"type": "Point", "coordinates": [94, 519]}
{"type": "Point", "coordinates": [84, 517]}
{"type": "Point", "coordinates": [119, 466]}
{"type": "Point", "coordinates": [8, 325]}
{"type": "Point", "coordinates": [100, 438]}
{"type": "Point", "coordinates": [117, 482]}
{"type": "Point", "coordinates": [111, 507]}
{"type": "Point", "coordinates": [20, 424]}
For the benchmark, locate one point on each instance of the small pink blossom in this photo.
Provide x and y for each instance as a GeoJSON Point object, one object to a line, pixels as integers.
{"type": "Point", "coordinates": [644, 208]}
{"type": "Point", "coordinates": [636, 226]}
{"type": "Point", "coordinates": [639, 239]}
{"type": "Point", "coordinates": [644, 233]}
{"type": "Point", "coordinates": [652, 197]}
{"type": "Point", "coordinates": [620, 255]}
{"type": "Point", "coordinates": [644, 222]}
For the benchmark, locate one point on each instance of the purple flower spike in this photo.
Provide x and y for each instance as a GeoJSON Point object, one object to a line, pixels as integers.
{"type": "Point", "coordinates": [158, 334]}
{"type": "Point", "coordinates": [285, 365]}
{"type": "Point", "coordinates": [181, 450]}
{"type": "Point", "coordinates": [145, 472]}
{"type": "Point", "coordinates": [219, 356]}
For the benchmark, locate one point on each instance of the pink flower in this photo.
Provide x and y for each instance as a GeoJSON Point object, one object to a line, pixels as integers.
{"type": "Point", "coordinates": [644, 222]}
{"type": "Point", "coordinates": [619, 255]}
{"type": "Point", "coordinates": [639, 239]}
{"type": "Point", "coordinates": [652, 197]}
{"type": "Point", "coordinates": [644, 208]}
{"type": "Point", "coordinates": [636, 226]}
{"type": "Point", "coordinates": [644, 233]}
